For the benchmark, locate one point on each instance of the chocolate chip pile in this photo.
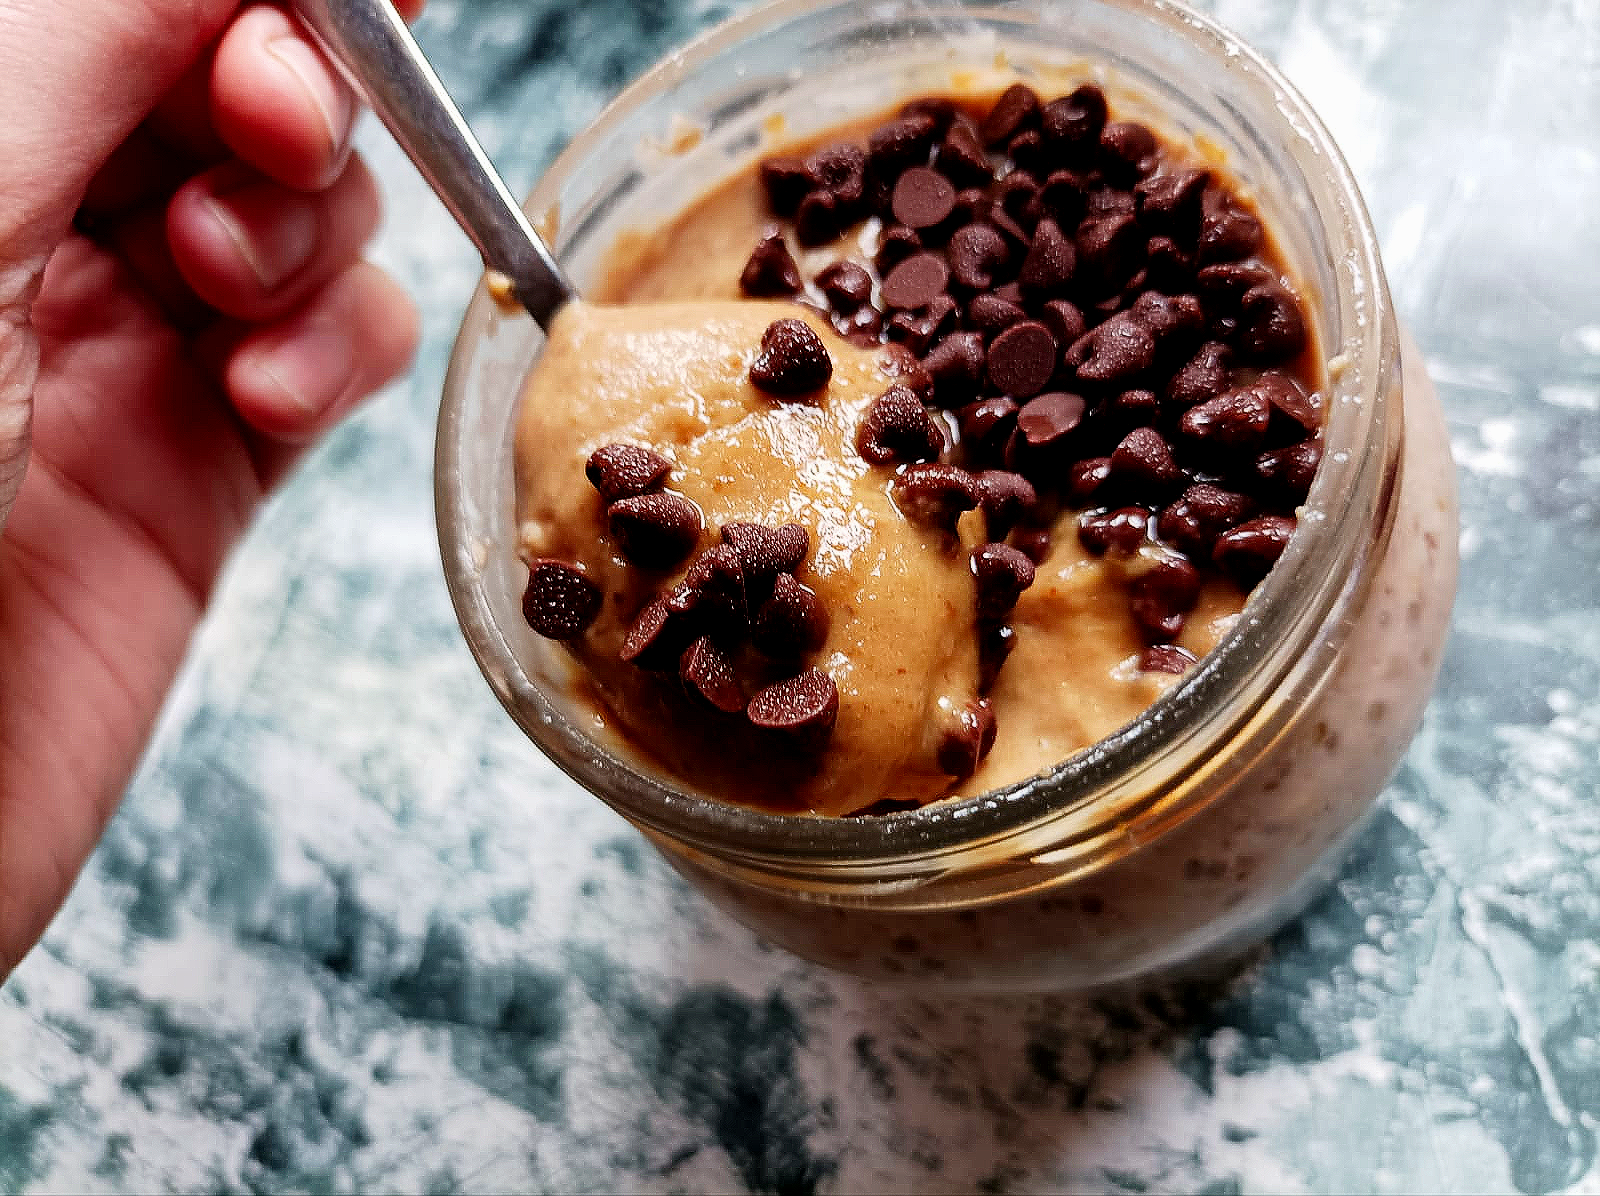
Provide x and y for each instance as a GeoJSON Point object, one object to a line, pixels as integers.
{"type": "Point", "coordinates": [1101, 333]}
{"type": "Point", "coordinates": [738, 627]}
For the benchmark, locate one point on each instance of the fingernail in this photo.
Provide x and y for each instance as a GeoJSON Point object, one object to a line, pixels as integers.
{"type": "Point", "coordinates": [313, 370]}
{"type": "Point", "coordinates": [334, 103]}
{"type": "Point", "coordinates": [274, 231]}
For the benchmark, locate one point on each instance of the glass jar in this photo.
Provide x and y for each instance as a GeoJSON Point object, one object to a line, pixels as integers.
{"type": "Point", "coordinates": [1211, 818]}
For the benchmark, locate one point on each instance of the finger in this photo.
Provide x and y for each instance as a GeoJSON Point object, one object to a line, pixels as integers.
{"type": "Point", "coordinates": [139, 238]}
{"type": "Point", "coordinates": [278, 103]}
{"type": "Point", "coordinates": [255, 249]}
{"type": "Point", "coordinates": [294, 379]}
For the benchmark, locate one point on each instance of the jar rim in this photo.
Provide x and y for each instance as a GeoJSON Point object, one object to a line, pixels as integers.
{"type": "Point", "coordinates": [1318, 559]}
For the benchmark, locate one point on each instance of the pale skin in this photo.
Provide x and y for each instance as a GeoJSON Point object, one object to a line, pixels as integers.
{"type": "Point", "coordinates": [183, 309]}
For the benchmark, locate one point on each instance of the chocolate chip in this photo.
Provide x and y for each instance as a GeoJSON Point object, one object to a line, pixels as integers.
{"type": "Point", "coordinates": [658, 635]}
{"type": "Point", "coordinates": [1045, 427]}
{"type": "Point", "coordinates": [956, 366]}
{"type": "Point", "coordinates": [1168, 266]}
{"type": "Point", "coordinates": [915, 282]}
{"type": "Point", "coordinates": [976, 252]}
{"type": "Point", "coordinates": [1299, 412]}
{"type": "Point", "coordinates": [1032, 542]}
{"type": "Point", "coordinates": [1002, 573]}
{"type": "Point", "coordinates": [1169, 204]}
{"type": "Point", "coordinates": [804, 707]}
{"type": "Point", "coordinates": [941, 110]}
{"type": "Point", "coordinates": [923, 198]}
{"type": "Point", "coordinates": [1086, 478]}
{"type": "Point", "coordinates": [1064, 197]}
{"type": "Point", "coordinates": [840, 169]}
{"type": "Point", "coordinates": [961, 159]}
{"type": "Point", "coordinates": [991, 315]}
{"type": "Point", "coordinates": [1063, 319]}
{"type": "Point", "coordinates": [895, 245]}
{"type": "Point", "coordinates": [1128, 410]}
{"type": "Point", "coordinates": [1022, 359]}
{"type": "Point", "coordinates": [766, 551]}
{"type": "Point", "coordinates": [1018, 197]}
{"type": "Point", "coordinates": [818, 218]}
{"type": "Point", "coordinates": [1203, 377]}
{"type": "Point", "coordinates": [1271, 328]}
{"type": "Point", "coordinates": [897, 428]}
{"type": "Point", "coordinates": [1173, 320]}
{"type": "Point", "coordinates": [1230, 426]}
{"type": "Point", "coordinates": [968, 740]}
{"type": "Point", "coordinates": [714, 588]}
{"type": "Point", "coordinates": [793, 360]}
{"type": "Point", "coordinates": [1119, 532]}
{"type": "Point", "coordinates": [1201, 514]}
{"type": "Point", "coordinates": [861, 327]}
{"type": "Point", "coordinates": [623, 470]}
{"type": "Point", "coordinates": [1166, 658]}
{"type": "Point", "coordinates": [1143, 461]}
{"type": "Point", "coordinates": [654, 531]}
{"type": "Point", "coordinates": [1249, 551]}
{"type": "Point", "coordinates": [791, 623]}
{"type": "Point", "coordinates": [1072, 124]}
{"type": "Point", "coordinates": [1127, 150]}
{"type": "Point", "coordinates": [1047, 270]}
{"type": "Point", "coordinates": [1006, 498]}
{"type": "Point", "coordinates": [902, 143]}
{"type": "Point", "coordinates": [1287, 473]}
{"type": "Point", "coordinates": [771, 273]}
{"type": "Point", "coordinates": [1228, 231]}
{"type": "Point", "coordinates": [934, 495]}
{"type": "Point", "coordinates": [995, 642]}
{"type": "Point", "coordinates": [986, 426]}
{"type": "Point", "coordinates": [786, 181]}
{"type": "Point", "coordinates": [1119, 350]}
{"type": "Point", "coordinates": [1222, 286]}
{"type": "Point", "coordinates": [559, 602]}
{"type": "Point", "coordinates": [846, 284]}
{"type": "Point", "coordinates": [1016, 109]}
{"type": "Point", "coordinates": [917, 330]}
{"type": "Point", "coordinates": [708, 674]}
{"type": "Point", "coordinates": [1163, 595]}
{"type": "Point", "coordinates": [1108, 247]}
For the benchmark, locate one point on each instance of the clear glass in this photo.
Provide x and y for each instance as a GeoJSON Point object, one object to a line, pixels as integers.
{"type": "Point", "coordinates": [1208, 820]}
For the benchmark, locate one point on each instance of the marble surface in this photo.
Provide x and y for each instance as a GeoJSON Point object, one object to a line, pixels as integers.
{"type": "Point", "coordinates": [350, 932]}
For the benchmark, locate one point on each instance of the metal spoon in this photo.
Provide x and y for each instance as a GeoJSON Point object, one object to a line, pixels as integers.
{"type": "Point", "coordinates": [371, 43]}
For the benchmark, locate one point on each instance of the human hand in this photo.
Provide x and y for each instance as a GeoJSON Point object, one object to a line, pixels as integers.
{"type": "Point", "coordinates": [182, 309]}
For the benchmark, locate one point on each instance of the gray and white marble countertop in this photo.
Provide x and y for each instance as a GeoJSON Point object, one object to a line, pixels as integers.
{"type": "Point", "coordinates": [351, 932]}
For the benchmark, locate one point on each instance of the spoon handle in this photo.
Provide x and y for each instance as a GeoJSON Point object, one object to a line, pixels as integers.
{"type": "Point", "coordinates": [375, 49]}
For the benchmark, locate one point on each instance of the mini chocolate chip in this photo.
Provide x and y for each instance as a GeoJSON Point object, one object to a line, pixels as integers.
{"type": "Point", "coordinates": [1289, 471]}
{"type": "Point", "coordinates": [623, 470]}
{"type": "Point", "coordinates": [654, 531]}
{"type": "Point", "coordinates": [976, 252]}
{"type": "Point", "coordinates": [658, 635]}
{"type": "Point", "coordinates": [901, 143]}
{"type": "Point", "coordinates": [968, 740]}
{"type": "Point", "coordinates": [917, 330]}
{"type": "Point", "coordinates": [1118, 350]}
{"type": "Point", "coordinates": [1299, 412]}
{"type": "Point", "coordinates": [995, 642]}
{"type": "Point", "coordinates": [923, 198]}
{"type": "Point", "coordinates": [1063, 319]}
{"type": "Point", "coordinates": [818, 219]}
{"type": "Point", "coordinates": [956, 366]}
{"type": "Point", "coordinates": [1119, 532]}
{"type": "Point", "coordinates": [1228, 231]}
{"type": "Point", "coordinates": [1249, 551]}
{"type": "Point", "coordinates": [790, 623]}
{"type": "Point", "coordinates": [786, 181]}
{"type": "Point", "coordinates": [1006, 498]}
{"type": "Point", "coordinates": [915, 282]}
{"type": "Point", "coordinates": [934, 495]}
{"type": "Point", "coordinates": [715, 589]}
{"type": "Point", "coordinates": [1086, 478]}
{"type": "Point", "coordinates": [961, 159]}
{"type": "Point", "coordinates": [846, 284]}
{"type": "Point", "coordinates": [771, 273]}
{"type": "Point", "coordinates": [1022, 359]}
{"type": "Point", "coordinates": [897, 428]}
{"type": "Point", "coordinates": [1016, 109]}
{"type": "Point", "coordinates": [1044, 426]}
{"type": "Point", "coordinates": [793, 360]}
{"type": "Point", "coordinates": [1201, 514]}
{"type": "Point", "coordinates": [1002, 573]}
{"type": "Point", "coordinates": [1109, 247]}
{"type": "Point", "coordinates": [1169, 204]}
{"type": "Point", "coordinates": [895, 244]}
{"type": "Point", "coordinates": [1073, 123]}
{"type": "Point", "coordinates": [990, 314]}
{"type": "Point", "coordinates": [1162, 595]}
{"type": "Point", "coordinates": [1047, 270]}
{"type": "Point", "coordinates": [766, 551]}
{"type": "Point", "coordinates": [1204, 376]}
{"type": "Point", "coordinates": [1271, 328]}
{"type": "Point", "coordinates": [986, 426]}
{"type": "Point", "coordinates": [1230, 426]}
{"type": "Point", "coordinates": [1128, 150]}
{"type": "Point", "coordinates": [1143, 461]}
{"type": "Point", "coordinates": [804, 706]}
{"type": "Point", "coordinates": [708, 674]}
{"type": "Point", "coordinates": [559, 602]}
{"type": "Point", "coordinates": [1166, 658]}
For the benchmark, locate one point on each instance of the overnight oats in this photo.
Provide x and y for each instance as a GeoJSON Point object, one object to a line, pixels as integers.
{"type": "Point", "coordinates": [989, 539]}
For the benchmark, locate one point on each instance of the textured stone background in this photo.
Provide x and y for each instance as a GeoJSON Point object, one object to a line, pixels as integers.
{"type": "Point", "coordinates": [350, 932]}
